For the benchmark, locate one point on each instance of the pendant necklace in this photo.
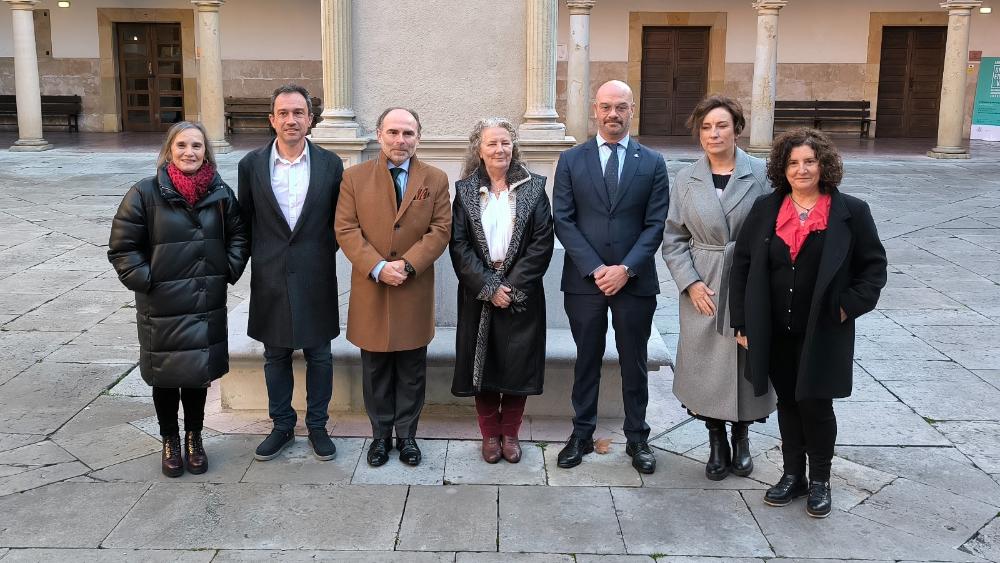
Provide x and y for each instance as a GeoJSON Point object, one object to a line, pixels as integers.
{"type": "Point", "coordinates": [803, 215]}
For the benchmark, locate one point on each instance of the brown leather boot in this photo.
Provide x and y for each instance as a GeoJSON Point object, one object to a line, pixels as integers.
{"type": "Point", "coordinates": [491, 449]}
{"type": "Point", "coordinates": [511, 449]}
{"type": "Point", "coordinates": [171, 463]}
{"type": "Point", "coordinates": [194, 454]}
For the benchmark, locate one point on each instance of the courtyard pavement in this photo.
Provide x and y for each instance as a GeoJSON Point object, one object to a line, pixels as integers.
{"type": "Point", "coordinates": [916, 476]}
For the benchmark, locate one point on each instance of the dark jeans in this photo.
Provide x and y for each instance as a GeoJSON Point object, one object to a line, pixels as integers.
{"type": "Point", "coordinates": [319, 385]}
{"type": "Point", "coordinates": [500, 415]}
{"type": "Point", "coordinates": [808, 426]}
{"type": "Point", "coordinates": [394, 385]}
{"type": "Point", "coordinates": [632, 318]}
{"type": "Point", "coordinates": [166, 401]}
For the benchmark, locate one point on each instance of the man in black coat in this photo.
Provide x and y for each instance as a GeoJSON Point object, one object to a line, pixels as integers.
{"type": "Point", "coordinates": [609, 204]}
{"type": "Point", "coordinates": [288, 192]}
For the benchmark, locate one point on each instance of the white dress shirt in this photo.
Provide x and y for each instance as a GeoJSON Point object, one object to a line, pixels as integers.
{"type": "Point", "coordinates": [604, 151]}
{"type": "Point", "coordinates": [290, 183]}
{"type": "Point", "coordinates": [497, 224]}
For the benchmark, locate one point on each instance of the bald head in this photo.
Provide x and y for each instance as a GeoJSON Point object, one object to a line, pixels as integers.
{"type": "Point", "coordinates": [613, 109]}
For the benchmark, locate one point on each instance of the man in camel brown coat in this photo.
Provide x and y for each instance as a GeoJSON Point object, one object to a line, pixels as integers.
{"type": "Point", "coordinates": [393, 221]}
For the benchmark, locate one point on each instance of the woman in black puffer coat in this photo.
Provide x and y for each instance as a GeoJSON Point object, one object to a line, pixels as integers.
{"type": "Point", "coordinates": [177, 240]}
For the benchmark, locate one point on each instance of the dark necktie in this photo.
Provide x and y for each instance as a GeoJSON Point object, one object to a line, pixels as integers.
{"type": "Point", "coordinates": [611, 172]}
{"type": "Point", "coordinates": [398, 184]}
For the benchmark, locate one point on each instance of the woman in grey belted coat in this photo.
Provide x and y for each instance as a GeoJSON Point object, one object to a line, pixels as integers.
{"type": "Point", "coordinates": [709, 201]}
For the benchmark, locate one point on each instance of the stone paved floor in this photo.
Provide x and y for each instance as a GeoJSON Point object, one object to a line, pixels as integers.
{"type": "Point", "coordinates": [916, 477]}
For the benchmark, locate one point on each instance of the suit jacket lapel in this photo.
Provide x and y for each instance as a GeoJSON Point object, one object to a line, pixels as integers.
{"type": "Point", "coordinates": [317, 170]}
{"type": "Point", "coordinates": [592, 157]}
{"type": "Point", "coordinates": [739, 184]}
{"type": "Point", "coordinates": [263, 170]}
{"type": "Point", "coordinates": [705, 198]}
{"type": "Point", "coordinates": [632, 159]}
{"type": "Point", "coordinates": [414, 183]}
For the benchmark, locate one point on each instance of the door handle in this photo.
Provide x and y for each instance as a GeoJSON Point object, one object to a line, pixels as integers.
{"type": "Point", "coordinates": [149, 68]}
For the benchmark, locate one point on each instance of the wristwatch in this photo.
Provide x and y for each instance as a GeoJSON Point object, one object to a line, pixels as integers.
{"type": "Point", "coordinates": [410, 270]}
{"type": "Point", "coordinates": [629, 271]}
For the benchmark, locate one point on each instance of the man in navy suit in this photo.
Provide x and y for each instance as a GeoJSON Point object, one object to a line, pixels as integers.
{"type": "Point", "coordinates": [610, 202]}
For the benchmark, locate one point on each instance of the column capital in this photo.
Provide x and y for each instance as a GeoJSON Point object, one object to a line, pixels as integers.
{"type": "Point", "coordinates": [208, 5]}
{"type": "Point", "coordinates": [769, 6]}
{"type": "Point", "coordinates": [22, 4]}
{"type": "Point", "coordinates": [580, 7]}
{"type": "Point", "coordinates": [961, 5]}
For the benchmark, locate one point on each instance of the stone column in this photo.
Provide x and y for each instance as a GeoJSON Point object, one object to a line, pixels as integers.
{"type": "Point", "coordinates": [540, 117]}
{"type": "Point", "coordinates": [952, 113]}
{"type": "Point", "coordinates": [578, 69]}
{"type": "Point", "coordinates": [338, 112]}
{"type": "Point", "coordinates": [211, 99]}
{"type": "Point", "coordinates": [765, 76]}
{"type": "Point", "coordinates": [29, 97]}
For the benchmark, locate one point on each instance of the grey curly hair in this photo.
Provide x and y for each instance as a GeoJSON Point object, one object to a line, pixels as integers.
{"type": "Point", "coordinates": [472, 159]}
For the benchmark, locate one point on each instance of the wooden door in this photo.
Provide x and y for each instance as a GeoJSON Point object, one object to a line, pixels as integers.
{"type": "Point", "coordinates": [674, 77]}
{"type": "Point", "coordinates": [151, 75]}
{"type": "Point", "coordinates": [909, 82]}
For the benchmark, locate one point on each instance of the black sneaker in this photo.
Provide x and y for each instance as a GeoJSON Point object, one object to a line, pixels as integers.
{"type": "Point", "coordinates": [322, 445]}
{"type": "Point", "coordinates": [820, 501]}
{"type": "Point", "coordinates": [276, 441]}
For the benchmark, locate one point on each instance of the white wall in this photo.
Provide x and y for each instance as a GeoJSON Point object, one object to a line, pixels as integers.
{"type": "Point", "coordinates": [810, 31]}
{"type": "Point", "coordinates": [250, 29]}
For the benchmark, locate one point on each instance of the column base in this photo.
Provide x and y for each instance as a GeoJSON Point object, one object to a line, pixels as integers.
{"type": "Point", "coordinates": [542, 131]}
{"type": "Point", "coordinates": [949, 153]}
{"type": "Point", "coordinates": [30, 145]}
{"type": "Point", "coordinates": [336, 130]}
{"type": "Point", "coordinates": [759, 151]}
{"type": "Point", "coordinates": [221, 147]}
{"type": "Point", "coordinates": [350, 150]}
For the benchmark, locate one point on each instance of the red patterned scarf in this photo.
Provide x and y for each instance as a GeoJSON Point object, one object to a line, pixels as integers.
{"type": "Point", "coordinates": [192, 187]}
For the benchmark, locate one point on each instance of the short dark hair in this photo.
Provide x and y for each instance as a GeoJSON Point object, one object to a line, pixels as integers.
{"type": "Point", "coordinates": [831, 166]}
{"type": "Point", "coordinates": [292, 89]}
{"type": "Point", "coordinates": [378, 123]}
{"type": "Point", "coordinates": [711, 102]}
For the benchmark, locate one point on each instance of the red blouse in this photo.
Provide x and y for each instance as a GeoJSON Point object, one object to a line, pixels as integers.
{"type": "Point", "coordinates": [794, 232]}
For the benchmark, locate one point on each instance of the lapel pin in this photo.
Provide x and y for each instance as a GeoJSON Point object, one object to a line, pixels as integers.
{"type": "Point", "coordinates": [636, 155]}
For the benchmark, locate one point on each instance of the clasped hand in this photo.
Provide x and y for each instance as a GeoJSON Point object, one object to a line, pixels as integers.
{"type": "Point", "coordinates": [501, 298]}
{"type": "Point", "coordinates": [610, 279]}
{"type": "Point", "coordinates": [393, 273]}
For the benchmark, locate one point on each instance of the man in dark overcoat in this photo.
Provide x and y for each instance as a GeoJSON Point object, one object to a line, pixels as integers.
{"type": "Point", "coordinates": [288, 191]}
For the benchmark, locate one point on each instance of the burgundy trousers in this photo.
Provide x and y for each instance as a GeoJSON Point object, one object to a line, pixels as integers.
{"type": "Point", "coordinates": [499, 415]}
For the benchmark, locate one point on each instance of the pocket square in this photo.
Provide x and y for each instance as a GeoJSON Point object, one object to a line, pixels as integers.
{"type": "Point", "coordinates": [422, 193]}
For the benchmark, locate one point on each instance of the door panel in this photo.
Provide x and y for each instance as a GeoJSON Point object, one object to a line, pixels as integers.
{"type": "Point", "coordinates": [674, 77]}
{"type": "Point", "coordinates": [912, 62]}
{"type": "Point", "coordinates": [151, 75]}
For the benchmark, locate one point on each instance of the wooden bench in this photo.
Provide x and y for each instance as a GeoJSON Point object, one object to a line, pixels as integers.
{"type": "Point", "coordinates": [52, 106]}
{"type": "Point", "coordinates": [818, 112]}
{"type": "Point", "coordinates": [252, 112]}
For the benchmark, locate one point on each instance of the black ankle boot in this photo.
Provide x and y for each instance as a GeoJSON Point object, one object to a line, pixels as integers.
{"type": "Point", "coordinates": [789, 487]}
{"type": "Point", "coordinates": [742, 460]}
{"type": "Point", "coordinates": [170, 459]}
{"type": "Point", "coordinates": [719, 456]}
{"type": "Point", "coordinates": [820, 501]}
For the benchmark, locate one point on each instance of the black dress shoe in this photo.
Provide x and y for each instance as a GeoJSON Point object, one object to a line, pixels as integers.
{"type": "Point", "coordinates": [789, 487]}
{"type": "Point", "coordinates": [642, 457]}
{"type": "Point", "coordinates": [378, 451]}
{"type": "Point", "coordinates": [276, 441]}
{"type": "Point", "coordinates": [409, 452]}
{"type": "Point", "coordinates": [742, 460]}
{"type": "Point", "coordinates": [195, 459]}
{"type": "Point", "coordinates": [572, 454]}
{"type": "Point", "coordinates": [820, 501]}
{"type": "Point", "coordinates": [322, 445]}
{"type": "Point", "coordinates": [719, 457]}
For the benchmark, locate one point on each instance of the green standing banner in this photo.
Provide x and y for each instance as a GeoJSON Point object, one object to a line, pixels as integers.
{"type": "Point", "coordinates": [986, 111]}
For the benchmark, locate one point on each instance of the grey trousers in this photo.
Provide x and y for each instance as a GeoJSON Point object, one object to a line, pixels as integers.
{"type": "Point", "coordinates": [394, 384]}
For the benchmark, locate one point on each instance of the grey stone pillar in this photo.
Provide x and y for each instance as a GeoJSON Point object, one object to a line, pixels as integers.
{"type": "Point", "coordinates": [765, 76]}
{"type": "Point", "coordinates": [578, 69]}
{"type": "Point", "coordinates": [26, 88]}
{"type": "Point", "coordinates": [339, 120]}
{"type": "Point", "coordinates": [951, 118]}
{"type": "Point", "coordinates": [540, 117]}
{"type": "Point", "coordinates": [210, 98]}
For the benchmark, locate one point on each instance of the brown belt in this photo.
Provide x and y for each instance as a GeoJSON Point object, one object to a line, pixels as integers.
{"type": "Point", "coordinates": [497, 264]}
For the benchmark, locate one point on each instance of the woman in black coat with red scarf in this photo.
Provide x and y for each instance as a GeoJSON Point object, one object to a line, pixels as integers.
{"type": "Point", "coordinates": [177, 240]}
{"type": "Point", "coordinates": [807, 263]}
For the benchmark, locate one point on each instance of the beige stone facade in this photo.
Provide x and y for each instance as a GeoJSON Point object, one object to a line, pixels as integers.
{"type": "Point", "coordinates": [474, 66]}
